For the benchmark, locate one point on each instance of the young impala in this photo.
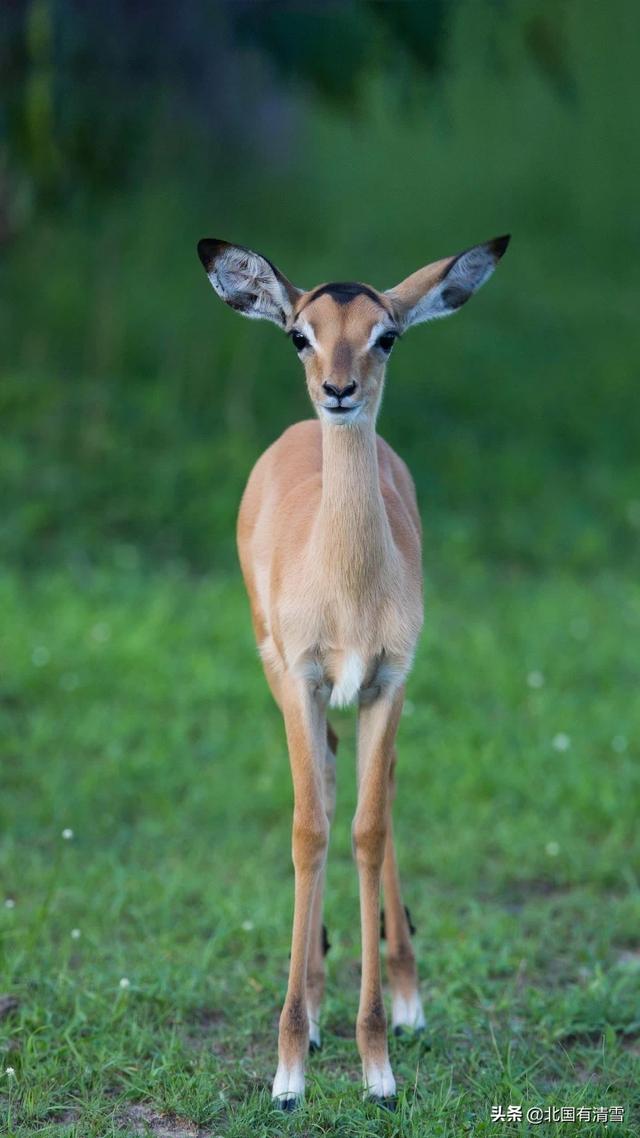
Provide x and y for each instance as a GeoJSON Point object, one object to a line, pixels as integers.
{"type": "Point", "coordinates": [329, 543]}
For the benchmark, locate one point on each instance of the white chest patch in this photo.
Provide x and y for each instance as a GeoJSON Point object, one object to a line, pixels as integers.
{"type": "Point", "coordinates": [351, 676]}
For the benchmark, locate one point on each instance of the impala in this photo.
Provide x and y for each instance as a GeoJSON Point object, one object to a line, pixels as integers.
{"type": "Point", "coordinates": [330, 548]}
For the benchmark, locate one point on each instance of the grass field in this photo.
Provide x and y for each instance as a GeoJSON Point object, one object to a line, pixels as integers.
{"type": "Point", "coordinates": [147, 953]}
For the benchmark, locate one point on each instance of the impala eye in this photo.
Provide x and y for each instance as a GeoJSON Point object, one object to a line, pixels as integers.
{"type": "Point", "coordinates": [386, 341]}
{"type": "Point", "coordinates": [299, 341]}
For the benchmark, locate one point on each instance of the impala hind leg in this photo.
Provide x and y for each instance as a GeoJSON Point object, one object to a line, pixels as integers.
{"type": "Point", "coordinates": [305, 723]}
{"type": "Point", "coordinates": [318, 944]}
{"type": "Point", "coordinates": [407, 1010]}
{"type": "Point", "coordinates": [377, 727]}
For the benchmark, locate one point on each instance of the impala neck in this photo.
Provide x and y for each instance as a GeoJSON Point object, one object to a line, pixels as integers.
{"type": "Point", "coordinates": [353, 535]}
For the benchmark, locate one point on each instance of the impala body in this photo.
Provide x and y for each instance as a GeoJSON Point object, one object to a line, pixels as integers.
{"type": "Point", "coordinates": [330, 549]}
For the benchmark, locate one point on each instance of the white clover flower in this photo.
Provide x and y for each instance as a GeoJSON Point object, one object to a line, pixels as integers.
{"type": "Point", "coordinates": [125, 982]}
{"type": "Point", "coordinates": [561, 742]}
{"type": "Point", "coordinates": [619, 743]}
{"type": "Point", "coordinates": [247, 926]}
{"type": "Point", "coordinates": [10, 1072]}
{"type": "Point", "coordinates": [40, 656]}
{"type": "Point", "coordinates": [75, 934]}
{"type": "Point", "coordinates": [9, 903]}
{"type": "Point", "coordinates": [67, 834]}
{"type": "Point", "coordinates": [535, 679]}
{"type": "Point", "coordinates": [552, 849]}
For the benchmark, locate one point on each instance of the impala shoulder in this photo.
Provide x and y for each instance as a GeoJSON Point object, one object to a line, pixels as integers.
{"type": "Point", "coordinates": [395, 476]}
{"type": "Point", "coordinates": [389, 460]}
{"type": "Point", "coordinates": [305, 434]}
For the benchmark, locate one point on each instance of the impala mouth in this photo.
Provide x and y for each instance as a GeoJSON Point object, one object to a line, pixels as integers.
{"type": "Point", "coordinates": [340, 408]}
{"type": "Point", "coordinates": [342, 414]}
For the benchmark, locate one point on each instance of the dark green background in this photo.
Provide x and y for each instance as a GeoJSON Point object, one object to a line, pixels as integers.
{"type": "Point", "coordinates": [351, 140]}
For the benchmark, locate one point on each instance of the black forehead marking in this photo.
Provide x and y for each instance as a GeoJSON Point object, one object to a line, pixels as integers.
{"type": "Point", "coordinates": [343, 292]}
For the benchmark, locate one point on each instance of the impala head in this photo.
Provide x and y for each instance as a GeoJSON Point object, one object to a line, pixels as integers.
{"type": "Point", "coordinates": [344, 332]}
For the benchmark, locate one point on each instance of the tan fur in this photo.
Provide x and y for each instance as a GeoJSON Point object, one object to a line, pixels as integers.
{"type": "Point", "coordinates": [330, 549]}
{"type": "Point", "coordinates": [329, 543]}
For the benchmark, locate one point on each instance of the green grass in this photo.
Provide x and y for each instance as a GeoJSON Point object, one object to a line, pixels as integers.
{"type": "Point", "coordinates": [135, 713]}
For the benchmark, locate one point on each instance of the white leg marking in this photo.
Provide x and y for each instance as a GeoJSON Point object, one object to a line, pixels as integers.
{"type": "Point", "coordinates": [288, 1083]}
{"type": "Point", "coordinates": [378, 1080]}
{"type": "Point", "coordinates": [407, 1012]}
{"type": "Point", "coordinates": [314, 1025]}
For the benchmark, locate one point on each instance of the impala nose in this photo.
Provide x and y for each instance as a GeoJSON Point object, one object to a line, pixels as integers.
{"type": "Point", "coordinates": [339, 392]}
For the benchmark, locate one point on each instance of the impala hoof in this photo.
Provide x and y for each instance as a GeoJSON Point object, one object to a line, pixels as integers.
{"type": "Point", "coordinates": [288, 1103]}
{"type": "Point", "coordinates": [402, 1032]}
{"type": "Point", "coordinates": [314, 1046]}
{"type": "Point", "coordinates": [385, 1102]}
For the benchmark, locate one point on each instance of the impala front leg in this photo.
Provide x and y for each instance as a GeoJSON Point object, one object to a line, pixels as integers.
{"type": "Point", "coordinates": [305, 723]}
{"type": "Point", "coordinates": [377, 728]}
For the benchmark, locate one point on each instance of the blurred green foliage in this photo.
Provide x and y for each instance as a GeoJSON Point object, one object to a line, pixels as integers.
{"type": "Point", "coordinates": [133, 403]}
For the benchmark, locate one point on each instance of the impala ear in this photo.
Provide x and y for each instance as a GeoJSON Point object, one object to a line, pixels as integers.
{"type": "Point", "coordinates": [247, 281]}
{"type": "Point", "coordinates": [444, 286]}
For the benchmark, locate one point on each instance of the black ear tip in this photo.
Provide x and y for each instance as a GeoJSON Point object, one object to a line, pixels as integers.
{"type": "Point", "coordinates": [205, 252]}
{"type": "Point", "coordinates": [208, 249]}
{"type": "Point", "coordinates": [499, 245]}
